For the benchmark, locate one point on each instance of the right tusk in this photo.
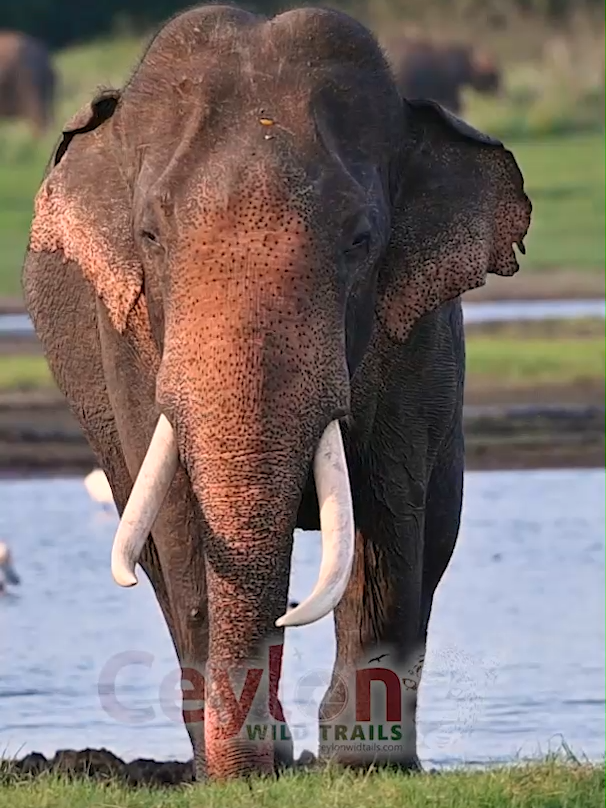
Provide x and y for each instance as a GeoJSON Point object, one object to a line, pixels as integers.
{"type": "Point", "coordinates": [151, 486]}
{"type": "Point", "coordinates": [338, 531]}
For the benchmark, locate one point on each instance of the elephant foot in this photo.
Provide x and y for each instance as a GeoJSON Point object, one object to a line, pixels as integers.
{"type": "Point", "coordinates": [199, 767]}
{"type": "Point", "coordinates": [284, 760]}
{"type": "Point", "coordinates": [360, 762]}
{"type": "Point", "coordinates": [244, 756]}
{"type": "Point", "coordinates": [284, 757]}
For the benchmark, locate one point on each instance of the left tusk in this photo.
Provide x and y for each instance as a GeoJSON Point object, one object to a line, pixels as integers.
{"type": "Point", "coordinates": [338, 531]}
{"type": "Point", "coordinates": [149, 490]}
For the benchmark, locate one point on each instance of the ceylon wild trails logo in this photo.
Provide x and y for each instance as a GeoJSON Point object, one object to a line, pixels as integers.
{"type": "Point", "coordinates": [371, 710]}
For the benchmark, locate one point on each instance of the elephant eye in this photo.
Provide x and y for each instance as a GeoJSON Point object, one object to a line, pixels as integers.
{"type": "Point", "coordinates": [360, 247]}
{"type": "Point", "coordinates": [150, 240]}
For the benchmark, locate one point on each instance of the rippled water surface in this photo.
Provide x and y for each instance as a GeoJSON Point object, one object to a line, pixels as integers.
{"type": "Point", "coordinates": [516, 656]}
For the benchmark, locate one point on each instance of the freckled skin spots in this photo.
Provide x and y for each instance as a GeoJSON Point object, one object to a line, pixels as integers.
{"type": "Point", "coordinates": [255, 289]}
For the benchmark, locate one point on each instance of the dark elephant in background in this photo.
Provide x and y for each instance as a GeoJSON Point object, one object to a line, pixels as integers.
{"type": "Point", "coordinates": [441, 71]}
{"type": "Point", "coordinates": [245, 269]}
{"type": "Point", "coordinates": [28, 81]}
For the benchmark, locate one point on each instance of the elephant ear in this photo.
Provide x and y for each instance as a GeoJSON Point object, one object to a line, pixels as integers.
{"type": "Point", "coordinates": [82, 210]}
{"type": "Point", "coordinates": [459, 208]}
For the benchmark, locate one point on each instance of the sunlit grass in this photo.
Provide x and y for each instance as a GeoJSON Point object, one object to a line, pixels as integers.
{"type": "Point", "coordinates": [542, 785]}
{"type": "Point", "coordinates": [511, 354]}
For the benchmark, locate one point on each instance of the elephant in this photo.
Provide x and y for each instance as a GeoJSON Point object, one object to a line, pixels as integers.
{"type": "Point", "coordinates": [245, 269]}
{"type": "Point", "coordinates": [440, 71]}
{"type": "Point", "coordinates": [28, 80]}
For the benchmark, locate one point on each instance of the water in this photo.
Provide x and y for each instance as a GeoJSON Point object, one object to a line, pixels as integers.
{"type": "Point", "coordinates": [516, 656]}
{"type": "Point", "coordinates": [15, 324]}
{"type": "Point", "coordinates": [499, 311]}
{"type": "Point", "coordinates": [513, 310]}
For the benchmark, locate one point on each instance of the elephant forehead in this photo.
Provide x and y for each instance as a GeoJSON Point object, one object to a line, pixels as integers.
{"type": "Point", "coordinates": [259, 179]}
{"type": "Point", "coordinates": [261, 234]}
{"type": "Point", "coordinates": [218, 62]}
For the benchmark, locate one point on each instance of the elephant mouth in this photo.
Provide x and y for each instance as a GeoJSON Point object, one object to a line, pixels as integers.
{"type": "Point", "coordinates": [336, 518]}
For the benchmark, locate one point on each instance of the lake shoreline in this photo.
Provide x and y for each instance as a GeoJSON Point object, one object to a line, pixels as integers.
{"type": "Point", "coordinates": [103, 765]}
{"type": "Point", "coordinates": [530, 285]}
{"type": "Point", "coordinates": [40, 437]}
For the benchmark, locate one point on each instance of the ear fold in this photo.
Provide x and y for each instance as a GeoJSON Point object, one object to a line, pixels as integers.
{"type": "Point", "coordinates": [83, 209]}
{"type": "Point", "coordinates": [460, 207]}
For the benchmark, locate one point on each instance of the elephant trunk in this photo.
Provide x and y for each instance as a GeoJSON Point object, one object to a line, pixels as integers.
{"type": "Point", "coordinates": [249, 479]}
{"type": "Point", "coordinates": [250, 505]}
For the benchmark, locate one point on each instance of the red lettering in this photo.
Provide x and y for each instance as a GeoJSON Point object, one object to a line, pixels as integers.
{"type": "Point", "coordinates": [275, 669]}
{"type": "Point", "coordinates": [238, 709]}
{"type": "Point", "coordinates": [364, 678]}
{"type": "Point", "coordinates": [196, 680]}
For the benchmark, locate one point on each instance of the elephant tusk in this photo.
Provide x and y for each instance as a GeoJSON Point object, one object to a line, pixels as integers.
{"type": "Point", "coordinates": [338, 531]}
{"type": "Point", "coordinates": [151, 486]}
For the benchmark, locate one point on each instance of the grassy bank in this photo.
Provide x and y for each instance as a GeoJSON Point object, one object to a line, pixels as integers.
{"type": "Point", "coordinates": [514, 360]}
{"type": "Point", "coordinates": [548, 785]}
{"type": "Point", "coordinates": [563, 165]}
{"type": "Point", "coordinates": [508, 355]}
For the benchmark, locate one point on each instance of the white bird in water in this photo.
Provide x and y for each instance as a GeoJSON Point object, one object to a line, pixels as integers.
{"type": "Point", "coordinates": [98, 488]}
{"type": "Point", "coordinates": [8, 574]}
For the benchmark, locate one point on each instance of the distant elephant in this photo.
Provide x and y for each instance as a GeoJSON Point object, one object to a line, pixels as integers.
{"type": "Point", "coordinates": [28, 81]}
{"type": "Point", "coordinates": [441, 71]}
{"type": "Point", "coordinates": [245, 269]}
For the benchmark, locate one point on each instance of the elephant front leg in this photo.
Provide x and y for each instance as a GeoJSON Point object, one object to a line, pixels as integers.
{"type": "Point", "coordinates": [182, 564]}
{"type": "Point", "coordinates": [368, 715]}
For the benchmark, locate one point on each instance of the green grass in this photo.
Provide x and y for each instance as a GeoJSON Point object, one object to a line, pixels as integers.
{"type": "Point", "coordinates": [24, 373]}
{"type": "Point", "coordinates": [514, 362]}
{"type": "Point", "coordinates": [513, 355]}
{"type": "Point", "coordinates": [545, 785]}
{"type": "Point", "coordinates": [565, 181]}
{"type": "Point", "coordinates": [564, 167]}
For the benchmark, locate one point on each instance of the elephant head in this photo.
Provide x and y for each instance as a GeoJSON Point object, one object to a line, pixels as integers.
{"type": "Point", "coordinates": [467, 65]}
{"type": "Point", "coordinates": [484, 73]}
{"type": "Point", "coordinates": [262, 188]}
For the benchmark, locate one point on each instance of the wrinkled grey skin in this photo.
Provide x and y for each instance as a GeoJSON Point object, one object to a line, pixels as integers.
{"type": "Point", "coordinates": [28, 82]}
{"type": "Point", "coordinates": [441, 72]}
{"type": "Point", "coordinates": [253, 282]}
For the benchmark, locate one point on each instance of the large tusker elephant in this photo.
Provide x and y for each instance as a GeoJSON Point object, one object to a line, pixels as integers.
{"type": "Point", "coordinates": [28, 81]}
{"type": "Point", "coordinates": [245, 269]}
{"type": "Point", "coordinates": [440, 71]}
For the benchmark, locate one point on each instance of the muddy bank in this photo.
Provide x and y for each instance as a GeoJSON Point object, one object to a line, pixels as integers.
{"type": "Point", "coordinates": [553, 284]}
{"type": "Point", "coordinates": [38, 435]}
{"type": "Point", "coordinates": [101, 764]}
